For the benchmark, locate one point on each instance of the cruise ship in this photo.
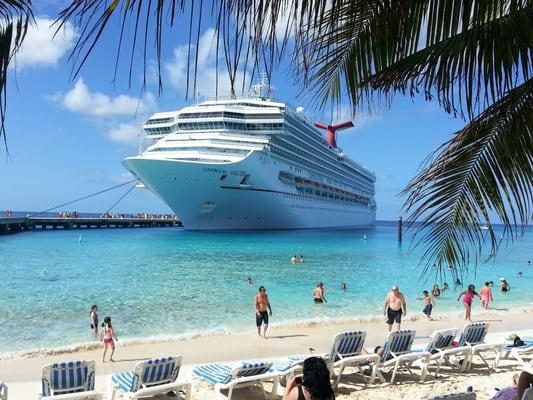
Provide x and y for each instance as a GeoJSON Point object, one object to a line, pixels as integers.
{"type": "Point", "coordinates": [253, 163]}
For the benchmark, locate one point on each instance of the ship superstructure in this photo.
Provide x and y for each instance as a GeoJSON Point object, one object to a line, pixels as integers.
{"type": "Point", "coordinates": [252, 163]}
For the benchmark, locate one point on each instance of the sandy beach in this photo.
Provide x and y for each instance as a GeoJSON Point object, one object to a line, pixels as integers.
{"type": "Point", "coordinates": [23, 375]}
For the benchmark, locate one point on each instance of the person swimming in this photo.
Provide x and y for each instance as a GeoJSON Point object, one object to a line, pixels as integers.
{"type": "Point", "coordinates": [294, 259]}
{"type": "Point", "coordinates": [249, 281]}
{"type": "Point", "coordinates": [344, 287]}
{"type": "Point", "coordinates": [301, 259]}
{"type": "Point", "coordinates": [445, 286]}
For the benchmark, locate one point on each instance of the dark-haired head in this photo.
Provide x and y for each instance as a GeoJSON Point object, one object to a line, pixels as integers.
{"type": "Point", "coordinates": [425, 292]}
{"type": "Point", "coordinates": [487, 283]}
{"type": "Point", "coordinates": [107, 322]}
{"type": "Point", "coordinates": [93, 307]}
{"type": "Point", "coordinates": [316, 379]}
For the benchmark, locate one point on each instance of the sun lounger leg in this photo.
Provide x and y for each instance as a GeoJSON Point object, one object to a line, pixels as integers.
{"type": "Point", "coordinates": [219, 395]}
{"type": "Point", "coordinates": [424, 369]}
{"type": "Point", "coordinates": [396, 365]}
{"type": "Point", "coordinates": [337, 376]}
{"type": "Point", "coordinates": [274, 387]}
{"type": "Point", "coordinates": [187, 388]}
{"type": "Point", "coordinates": [111, 390]}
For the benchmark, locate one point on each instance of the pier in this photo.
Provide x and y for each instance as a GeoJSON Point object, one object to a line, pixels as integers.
{"type": "Point", "coordinates": [14, 225]}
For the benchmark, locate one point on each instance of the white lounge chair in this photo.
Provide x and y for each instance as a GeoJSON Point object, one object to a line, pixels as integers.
{"type": "Point", "coordinates": [224, 377]}
{"type": "Point", "coordinates": [442, 348]}
{"type": "Point", "coordinates": [3, 391]}
{"type": "Point", "coordinates": [397, 352]}
{"type": "Point", "coordinates": [69, 380]}
{"type": "Point", "coordinates": [151, 377]}
{"type": "Point", "coordinates": [523, 354]}
{"type": "Point", "coordinates": [456, 396]}
{"type": "Point", "coordinates": [347, 351]}
{"type": "Point", "coordinates": [473, 336]}
{"type": "Point", "coordinates": [528, 394]}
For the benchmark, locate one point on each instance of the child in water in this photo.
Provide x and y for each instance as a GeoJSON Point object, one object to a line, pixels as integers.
{"type": "Point", "coordinates": [429, 304]}
{"type": "Point", "coordinates": [108, 337]}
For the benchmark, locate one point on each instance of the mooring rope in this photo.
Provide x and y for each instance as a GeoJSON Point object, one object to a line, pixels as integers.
{"type": "Point", "coordinates": [121, 197]}
{"type": "Point", "coordinates": [85, 197]}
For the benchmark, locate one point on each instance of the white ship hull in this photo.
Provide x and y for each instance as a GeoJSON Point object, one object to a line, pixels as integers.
{"type": "Point", "coordinates": [209, 196]}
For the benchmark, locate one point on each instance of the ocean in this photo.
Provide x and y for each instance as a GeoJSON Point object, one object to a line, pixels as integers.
{"type": "Point", "coordinates": [164, 283]}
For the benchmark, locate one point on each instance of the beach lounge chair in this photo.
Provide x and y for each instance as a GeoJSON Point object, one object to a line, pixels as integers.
{"type": "Point", "coordinates": [523, 354]}
{"type": "Point", "coordinates": [347, 351]}
{"type": "Point", "coordinates": [442, 348]}
{"type": "Point", "coordinates": [473, 336]}
{"type": "Point", "coordinates": [397, 352]}
{"type": "Point", "coordinates": [456, 396]}
{"type": "Point", "coordinates": [224, 377]}
{"type": "Point", "coordinates": [69, 380]}
{"type": "Point", "coordinates": [528, 394]}
{"type": "Point", "coordinates": [3, 391]}
{"type": "Point", "coordinates": [150, 378]}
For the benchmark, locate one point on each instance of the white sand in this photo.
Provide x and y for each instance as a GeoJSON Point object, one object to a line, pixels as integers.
{"type": "Point", "coordinates": [23, 375]}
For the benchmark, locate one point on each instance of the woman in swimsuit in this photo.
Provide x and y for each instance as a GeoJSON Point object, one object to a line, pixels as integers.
{"type": "Point", "coordinates": [504, 285]}
{"type": "Point", "coordinates": [468, 297]}
{"type": "Point", "coordinates": [435, 292]}
{"type": "Point", "coordinates": [313, 385]}
{"type": "Point", "coordinates": [486, 295]}
{"type": "Point", "coordinates": [93, 315]}
{"type": "Point", "coordinates": [108, 337]}
{"type": "Point", "coordinates": [318, 294]}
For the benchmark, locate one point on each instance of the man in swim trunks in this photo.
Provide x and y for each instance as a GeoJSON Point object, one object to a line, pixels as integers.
{"type": "Point", "coordinates": [261, 303]}
{"type": "Point", "coordinates": [318, 294]}
{"type": "Point", "coordinates": [394, 307]}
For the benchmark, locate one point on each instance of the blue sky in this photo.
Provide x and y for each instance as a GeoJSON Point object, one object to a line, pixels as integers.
{"type": "Point", "coordinates": [67, 137]}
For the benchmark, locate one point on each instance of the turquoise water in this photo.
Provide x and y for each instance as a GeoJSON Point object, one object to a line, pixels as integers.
{"type": "Point", "coordinates": [159, 283]}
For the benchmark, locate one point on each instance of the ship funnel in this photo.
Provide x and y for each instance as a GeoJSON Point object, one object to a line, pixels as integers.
{"type": "Point", "coordinates": [332, 129]}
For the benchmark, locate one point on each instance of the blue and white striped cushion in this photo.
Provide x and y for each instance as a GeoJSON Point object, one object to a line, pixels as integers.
{"type": "Point", "coordinates": [475, 334]}
{"type": "Point", "coordinates": [277, 365]}
{"type": "Point", "coordinates": [252, 368]}
{"type": "Point", "coordinates": [158, 371]}
{"type": "Point", "coordinates": [124, 381]}
{"type": "Point", "coordinates": [351, 344]}
{"type": "Point", "coordinates": [213, 373]}
{"type": "Point", "coordinates": [399, 344]}
{"type": "Point", "coordinates": [68, 377]}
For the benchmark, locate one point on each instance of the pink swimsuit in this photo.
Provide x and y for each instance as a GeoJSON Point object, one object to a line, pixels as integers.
{"type": "Point", "coordinates": [107, 336]}
{"type": "Point", "coordinates": [467, 299]}
{"type": "Point", "coordinates": [485, 294]}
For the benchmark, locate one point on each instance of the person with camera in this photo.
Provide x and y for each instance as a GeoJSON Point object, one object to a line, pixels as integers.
{"type": "Point", "coordinates": [314, 384]}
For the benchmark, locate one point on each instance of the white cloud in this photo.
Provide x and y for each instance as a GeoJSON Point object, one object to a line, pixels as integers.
{"type": "Point", "coordinates": [344, 113]}
{"type": "Point", "coordinates": [81, 99]}
{"type": "Point", "coordinates": [206, 81]}
{"type": "Point", "coordinates": [41, 47]}
{"type": "Point", "coordinates": [127, 134]}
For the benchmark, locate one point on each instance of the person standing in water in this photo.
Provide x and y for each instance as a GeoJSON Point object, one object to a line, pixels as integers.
{"type": "Point", "coordinates": [108, 338]}
{"type": "Point", "coordinates": [504, 285]}
{"type": "Point", "coordinates": [394, 307]}
{"type": "Point", "coordinates": [93, 315]}
{"type": "Point", "coordinates": [486, 295]}
{"type": "Point", "coordinates": [468, 298]}
{"type": "Point", "coordinates": [429, 304]}
{"type": "Point", "coordinates": [318, 294]}
{"type": "Point", "coordinates": [261, 303]}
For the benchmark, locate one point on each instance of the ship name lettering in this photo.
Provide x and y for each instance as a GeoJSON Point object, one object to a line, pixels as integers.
{"type": "Point", "coordinates": [216, 170]}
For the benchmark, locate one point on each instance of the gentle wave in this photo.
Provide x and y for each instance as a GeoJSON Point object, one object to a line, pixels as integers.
{"type": "Point", "coordinates": [369, 319]}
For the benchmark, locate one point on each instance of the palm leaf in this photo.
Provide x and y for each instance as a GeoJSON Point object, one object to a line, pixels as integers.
{"type": "Point", "coordinates": [466, 53]}
{"type": "Point", "coordinates": [487, 167]}
{"type": "Point", "coordinates": [15, 17]}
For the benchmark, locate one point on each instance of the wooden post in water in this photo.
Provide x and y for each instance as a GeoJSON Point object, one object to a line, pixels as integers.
{"type": "Point", "coordinates": [400, 227]}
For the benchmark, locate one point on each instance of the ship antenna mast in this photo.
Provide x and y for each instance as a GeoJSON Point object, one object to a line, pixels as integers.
{"type": "Point", "coordinates": [262, 89]}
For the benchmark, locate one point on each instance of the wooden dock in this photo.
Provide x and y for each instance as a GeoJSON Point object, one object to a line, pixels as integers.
{"type": "Point", "coordinates": [14, 225]}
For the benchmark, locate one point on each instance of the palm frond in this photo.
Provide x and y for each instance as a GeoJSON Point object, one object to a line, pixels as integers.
{"type": "Point", "coordinates": [15, 16]}
{"type": "Point", "coordinates": [466, 53]}
{"type": "Point", "coordinates": [487, 167]}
